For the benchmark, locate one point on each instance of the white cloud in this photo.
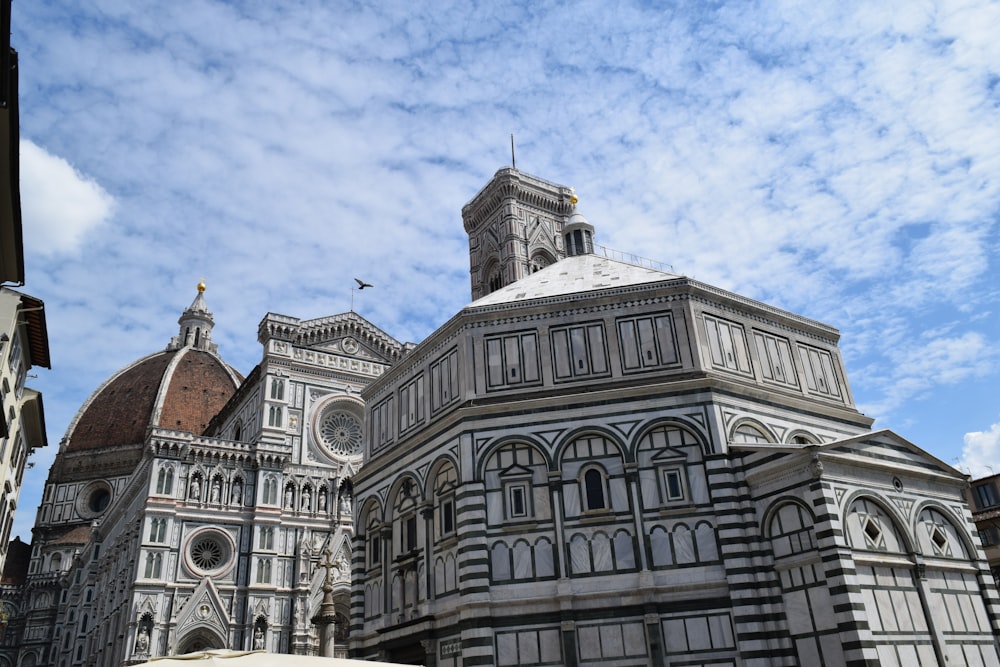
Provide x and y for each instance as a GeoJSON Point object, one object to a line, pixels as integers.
{"type": "Point", "coordinates": [59, 205]}
{"type": "Point", "coordinates": [981, 453]}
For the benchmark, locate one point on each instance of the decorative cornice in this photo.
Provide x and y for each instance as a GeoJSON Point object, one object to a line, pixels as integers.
{"type": "Point", "coordinates": [509, 183]}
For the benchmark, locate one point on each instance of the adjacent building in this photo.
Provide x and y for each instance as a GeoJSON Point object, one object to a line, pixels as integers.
{"type": "Point", "coordinates": [24, 341]}
{"type": "Point", "coordinates": [984, 499]}
{"type": "Point", "coordinates": [598, 462]}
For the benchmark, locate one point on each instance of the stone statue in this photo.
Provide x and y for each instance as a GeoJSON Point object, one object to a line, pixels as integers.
{"type": "Point", "coordinates": [236, 497]}
{"type": "Point", "coordinates": [216, 490]}
{"type": "Point", "coordinates": [345, 504]}
{"type": "Point", "coordinates": [142, 641]}
{"type": "Point", "coordinates": [195, 488]}
{"type": "Point", "coordinates": [289, 498]}
{"type": "Point", "coordinates": [258, 639]}
{"type": "Point", "coordinates": [306, 499]}
{"type": "Point", "coordinates": [322, 501]}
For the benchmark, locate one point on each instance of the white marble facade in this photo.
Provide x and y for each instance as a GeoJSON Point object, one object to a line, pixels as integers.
{"type": "Point", "coordinates": [600, 463]}
{"type": "Point", "coordinates": [211, 540]}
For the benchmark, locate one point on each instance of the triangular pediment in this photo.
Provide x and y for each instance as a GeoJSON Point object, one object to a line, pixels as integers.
{"type": "Point", "coordinates": [668, 454]}
{"type": "Point", "coordinates": [874, 449]}
{"type": "Point", "coordinates": [889, 448]}
{"type": "Point", "coordinates": [204, 609]}
{"type": "Point", "coordinates": [515, 471]}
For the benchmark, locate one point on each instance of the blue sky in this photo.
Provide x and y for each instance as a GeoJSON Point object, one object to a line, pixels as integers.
{"type": "Point", "coordinates": [840, 160]}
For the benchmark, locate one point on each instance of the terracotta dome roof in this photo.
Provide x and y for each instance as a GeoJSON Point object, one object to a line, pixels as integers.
{"type": "Point", "coordinates": [180, 389]}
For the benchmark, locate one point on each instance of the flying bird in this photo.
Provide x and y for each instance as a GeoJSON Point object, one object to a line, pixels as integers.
{"type": "Point", "coordinates": [362, 284]}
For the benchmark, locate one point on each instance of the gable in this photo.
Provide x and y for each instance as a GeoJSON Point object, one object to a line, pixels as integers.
{"type": "Point", "coordinates": [885, 448]}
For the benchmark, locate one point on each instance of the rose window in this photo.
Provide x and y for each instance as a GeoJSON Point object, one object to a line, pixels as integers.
{"type": "Point", "coordinates": [341, 433]}
{"type": "Point", "coordinates": [207, 553]}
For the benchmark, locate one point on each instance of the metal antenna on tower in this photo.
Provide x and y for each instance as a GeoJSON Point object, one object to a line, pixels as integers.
{"type": "Point", "coordinates": [513, 162]}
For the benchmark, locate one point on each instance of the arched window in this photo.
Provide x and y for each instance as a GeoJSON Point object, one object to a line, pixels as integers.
{"type": "Point", "coordinates": [263, 571]}
{"type": "Point", "coordinates": [593, 483]}
{"type": "Point", "coordinates": [278, 389]}
{"type": "Point", "coordinates": [55, 563]}
{"type": "Point", "coordinates": [165, 480]}
{"type": "Point", "coordinates": [157, 530]}
{"type": "Point", "coordinates": [938, 536]}
{"type": "Point", "coordinates": [274, 416]}
{"type": "Point", "coordinates": [750, 434]}
{"type": "Point", "coordinates": [266, 539]}
{"type": "Point", "coordinates": [270, 491]}
{"type": "Point", "coordinates": [493, 279]}
{"type": "Point", "coordinates": [238, 431]}
{"type": "Point", "coordinates": [154, 563]}
{"type": "Point", "coordinates": [869, 527]}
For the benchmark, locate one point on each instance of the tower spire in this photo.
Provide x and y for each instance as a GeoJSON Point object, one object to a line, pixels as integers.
{"type": "Point", "coordinates": [196, 325]}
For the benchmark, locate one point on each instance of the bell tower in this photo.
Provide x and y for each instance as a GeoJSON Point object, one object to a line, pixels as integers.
{"type": "Point", "coordinates": [516, 227]}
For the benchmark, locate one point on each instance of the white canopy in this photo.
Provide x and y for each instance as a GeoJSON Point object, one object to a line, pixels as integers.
{"type": "Point", "coordinates": [227, 658]}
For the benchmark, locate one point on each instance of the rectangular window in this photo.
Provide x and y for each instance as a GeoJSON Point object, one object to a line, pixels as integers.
{"type": "Point", "coordinates": [512, 360]}
{"type": "Point", "coordinates": [447, 516]}
{"type": "Point", "coordinates": [14, 361]}
{"type": "Point", "coordinates": [517, 500]}
{"type": "Point", "coordinates": [410, 534]}
{"type": "Point", "coordinates": [579, 351]}
{"type": "Point", "coordinates": [411, 404]}
{"type": "Point", "coordinates": [775, 354]}
{"type": "Point", "coordinates": [382, 423]}
{"type": "Point", "coordinates": [986, 496]}
{"type": "Point", "coordinates": [727, 345]}
{"type": "Point", "coordinates": [818, 368]}
{"type": "Point", "coordinates": [374, 548]}
{"type": "Point", "coordinates": [648, 342]}
{"type": "Point", "coordinates": [444, 381]}
{"type": "Point", "coordinates": [674, 485]}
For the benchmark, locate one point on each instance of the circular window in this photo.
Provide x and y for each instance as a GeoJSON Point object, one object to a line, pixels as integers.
{"type": "Point", "coordinates": [99, 500]}
{"type": "Point", "coordinates": [94, 499]}
{"type": "Point", "coordinates": [209, 551]}
{"type": "Point", "coordinates": [341, 433]}
{"type": "Point", "coordinates": [206, 553]}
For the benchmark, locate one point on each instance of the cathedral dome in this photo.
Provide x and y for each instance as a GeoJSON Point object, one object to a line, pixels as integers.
{"type": "Point", "coordinates": [180, 388]}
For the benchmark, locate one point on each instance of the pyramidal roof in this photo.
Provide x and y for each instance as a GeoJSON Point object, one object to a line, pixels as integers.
{"type": "Point", "coordinates": [579, 273]}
